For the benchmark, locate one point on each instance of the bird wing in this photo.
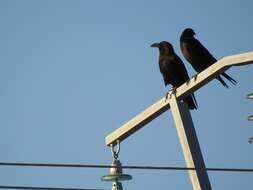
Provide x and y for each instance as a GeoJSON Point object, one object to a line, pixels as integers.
{"type": "Point", "coordinates": [180, 70]}
{"type": "Point", "coordinates": [199, 57]}
{"type": "Point", "coordinates": [203, 52]}
{"type": "Point", "coordinates": [182, 76]}
{"type": "Point", "coordinates": [175, 73]}
{"type": "Point", "coordinates": [165, 69]}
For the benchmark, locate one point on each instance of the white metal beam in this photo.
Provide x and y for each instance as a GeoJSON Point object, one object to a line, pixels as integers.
{"type": "Point", "coordinates": [185, 89]}
{"type": "Point", "coordinates": [190, 144]}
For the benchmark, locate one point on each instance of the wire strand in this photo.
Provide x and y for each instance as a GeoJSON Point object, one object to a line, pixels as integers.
{"type": "Point", "coordinates": [126, 167]}
{"type": "Point", "coordinates": [43, 188]}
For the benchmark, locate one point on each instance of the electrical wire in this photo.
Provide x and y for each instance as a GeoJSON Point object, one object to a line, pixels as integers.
{"type": "Point", "coordinates": [43, 188]}
{"type": "Point", "coordinates": [126, 167]}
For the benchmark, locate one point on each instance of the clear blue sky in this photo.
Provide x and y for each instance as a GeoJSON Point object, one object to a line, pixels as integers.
{"type": "Point", "coordinates": [71, 72]}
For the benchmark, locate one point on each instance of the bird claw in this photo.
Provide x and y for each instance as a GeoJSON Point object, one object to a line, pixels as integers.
{"type": "Point", "coordinates": [195, 77]}
{"type": "Point", "coordinates": [169, 94]}
{"type": "Point", "coordinates": [166, 96]}
{"type": "Point", "coordinates": [188, 81]}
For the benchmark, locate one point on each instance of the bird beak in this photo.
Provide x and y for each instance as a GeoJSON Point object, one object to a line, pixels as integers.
{"type": "Point", "coordinates": [155, 45]}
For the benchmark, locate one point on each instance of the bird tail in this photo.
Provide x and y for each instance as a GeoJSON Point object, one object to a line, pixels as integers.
{"type": "Point", "coordinates": [191, 101]}
{"type": "Point", "coordinates": [222, 81]}
{"type": "Point", "coordinates": [233, 81]}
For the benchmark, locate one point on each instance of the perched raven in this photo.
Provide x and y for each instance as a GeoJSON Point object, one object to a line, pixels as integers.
{"type": "Point", "coordinates": [173, 70]}
{"type": "Point", "coordinates": [198, 56]}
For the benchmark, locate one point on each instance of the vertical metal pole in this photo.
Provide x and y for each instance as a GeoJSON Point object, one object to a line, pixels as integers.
{"type": "Point", "coordinates": [190, 145]}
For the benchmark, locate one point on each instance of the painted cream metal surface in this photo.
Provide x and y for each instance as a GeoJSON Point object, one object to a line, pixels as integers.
{"type": "Point", "coordinates": [190, 145]}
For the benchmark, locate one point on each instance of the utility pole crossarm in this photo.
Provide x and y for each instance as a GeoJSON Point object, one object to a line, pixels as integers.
{"type": "Point", "coordinates": [185, 89]}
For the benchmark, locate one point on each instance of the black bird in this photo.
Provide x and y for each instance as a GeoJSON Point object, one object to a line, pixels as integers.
{"type": "Point", "coordinates": [198, 56]}
{"type": "Point", "coordinates": [173, 70]}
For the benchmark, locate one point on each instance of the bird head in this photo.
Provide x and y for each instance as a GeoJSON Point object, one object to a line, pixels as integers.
{"type": "Point", "coordinates": [188, 32]}
{"type": "Point", "coordinates": [164, 47]}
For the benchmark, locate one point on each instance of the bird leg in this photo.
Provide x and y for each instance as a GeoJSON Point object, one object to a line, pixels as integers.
{"type": "Point", "coordinates": [195, 77]}
{"type": "Point", "coordinates": [169, 94]}
{"type": "Point", "coordinates": [188, 81]}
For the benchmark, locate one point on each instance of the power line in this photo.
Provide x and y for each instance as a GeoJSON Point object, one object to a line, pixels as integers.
{"type": "Point", "coordinates": [43, 188]}
{"type": "Point", "coordinates": [126, 167]}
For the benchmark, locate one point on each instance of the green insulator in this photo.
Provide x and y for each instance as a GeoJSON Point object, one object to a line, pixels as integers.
{"type": "Point", "coordinates": [116, 173]}
{"type": "Point", "coordinates": [250, 96]}
{"type": "Point", "coordinates": [250, 118]}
